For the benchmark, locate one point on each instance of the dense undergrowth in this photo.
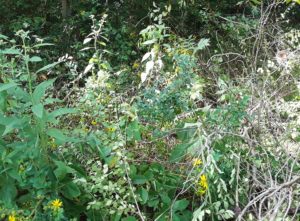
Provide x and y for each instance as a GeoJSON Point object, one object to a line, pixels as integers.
{"type": "Point", "coordinates": [138, 115]}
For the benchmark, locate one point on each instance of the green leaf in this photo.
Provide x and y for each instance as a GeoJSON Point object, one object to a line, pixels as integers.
{"type": "Point", "coordinates": [149, 42]}
{"type": "Point", "coordinates": [139, 179]}
{"type": "Point", "coordinates": [144, 195]}
{"type": "Point", "coordinates": [71, 190]}
{"type": "Point", "coordinates": [3, 37]}
{"type": "Point", "coordinates": [40, 90]}
{"type": "Point", "coordinates": [35, 59]}
{"type": "Point", "coordinates": [11, 51]}
{"type": "Point", "coordinates": [165, 198]}
{"type": "Point", "coordinates": [42, 45]}
{"type": "Point", "coordinates": [8, 191]}
{"type": "Point", "coordinates": [60, 112]}
{"type": "Point", "coordinates": [62, 170]}
{"type": "Point", "coordinates": [49, 66]}
{"type": "Point", "coordinates": [180, 205]}
{"type": "Point", "coordinates": [129, 218]}
{"type": "Point", "coordinates": [12, 123]}
{"type": "Point", "coordinates": [4, 87]}
{"type": "Point", "coordinates": [133, 131]}
{"type": "Point", "coordinates": [38, 110]}
{"type": "Point", "coordinates": [176, 217]}
{"type": "Point", "coordinates": [57, 134]}
{"type": "Point", "coordinates": [178, 152]}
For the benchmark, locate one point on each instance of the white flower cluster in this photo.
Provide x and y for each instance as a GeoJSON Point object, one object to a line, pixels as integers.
{"type": "Point", "coordinates": [98, 81]}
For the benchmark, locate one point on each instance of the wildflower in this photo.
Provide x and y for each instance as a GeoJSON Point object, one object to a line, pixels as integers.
{"type": "Point", "coordinates": [202, 185]}
{"type": "Point", "coordinates": [21, 168]}
{"type": "Point", "coordinates": [203, 182]}
{"type": "Point", "coordinates": [56, 204]}
{"type": "Point", "coordinates": [94, 122]}
{"type": "Point", "coordinates": [53, 145]}
{"type": "Point", "coordinates": [12, 218]}
{"type": "Point", "coordinates": [197, 162]}
{"type": "Point", "coordinates": [135, 65]}
{"type": "Point", "coordinates": [110, 129]}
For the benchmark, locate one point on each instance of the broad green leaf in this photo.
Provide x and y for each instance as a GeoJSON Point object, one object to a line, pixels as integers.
{"type": "Point", "coordinates": [71, 190]}
{"type": "Point", "coordinates": [35, 59]}
{"type": "Point", "coordinates": [40, 90]}
{"type": "Point", "coordinates": [20, 94]}
{"type": "Point", "coordinates": [180, 205]}
{"type": "Point", "coordinates": [133, 131]}
{"type": "Point", "coordinates": [178, 152]}
{"type": "Point", "coordinates": [57, 134]}
{"type": "Point", "coordinates": [49, 66]}
{"type": "Point", "coordinates": [165, 198]}
{"type": "Point", "coordinates": [144, 195]}
{"type": "Point", "coordinates": [38, 110]}
{"type": "Point", "coordinates": [139, 179]}
{"type": "Point", "coordinates": [8, 191]}
{"type": "Point", "coordinates": [60, 112]}
{"type": "Point", "coordinates": [12, 123]}
{"type": "Point", "coordinates": [62, 170]}
{"type": "Point", "coordinates": [176, 217]}
{"type": "Point", "coordinates": [4, 87]}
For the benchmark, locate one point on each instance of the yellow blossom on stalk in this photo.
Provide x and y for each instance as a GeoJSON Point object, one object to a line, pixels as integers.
{"type": "Point", "coordinates": [202, 185]}
{"type": "Point", "coordinates": [197, 162]}
{"type": "Point", "coordinates": [56, 204]}
{"type": "Point", "coordinates": [12, 218]}
{"type": "Point", "coordinates": [203, 182]}
{"type": "Point", "coordinates": [94, 122]}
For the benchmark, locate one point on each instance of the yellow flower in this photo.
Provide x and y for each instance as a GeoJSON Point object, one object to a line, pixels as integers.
{"type": "Point", "coordinates": [94, 122]}
{"type": "Point", "coordinates": [202, 185]}
{"type": "Point", "coordinates": [177, 70]}
{"type": "Point", "coordinates": [197, 162]}
{"type": "Point", "coordinates": [56, 204]}
{"type": "Point", "coordinates": [12, 218]}
{"type": "Point", "coordinates": [203, 182]}
{"type": "Point", "coordinates": [135, 65]}
{"type": "Point", "coordinates": [110, 129]}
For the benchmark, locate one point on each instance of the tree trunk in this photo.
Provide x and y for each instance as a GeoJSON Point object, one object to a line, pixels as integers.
{"type": "Point", "coordinates": [65, 8]}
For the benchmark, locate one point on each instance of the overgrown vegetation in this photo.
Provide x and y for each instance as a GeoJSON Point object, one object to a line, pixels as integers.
{"type": "Point", "coordinates": [149, 110]}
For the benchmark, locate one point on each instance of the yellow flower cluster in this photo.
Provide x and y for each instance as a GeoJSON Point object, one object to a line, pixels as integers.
{"type": "Point", "coordinates": [135, 65]}
{"type": "Point", "coordinates": [12, 218]}
{"type": "Point", "coordinates": [56, 204]}
{"type": "Point", "coordinates": [94, 123]}
{"type": "Point", "coordinates": [185, 51]}
{"type": "Point", "coordinates": [110, 129]}
{"type": "Point", "coordinates": [202, 185]}
{"type": "Point", "coordinates": [197, 162]}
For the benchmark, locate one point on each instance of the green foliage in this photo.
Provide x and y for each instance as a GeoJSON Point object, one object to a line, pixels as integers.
{"type": "Point", "coordinates": [149, 110]}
